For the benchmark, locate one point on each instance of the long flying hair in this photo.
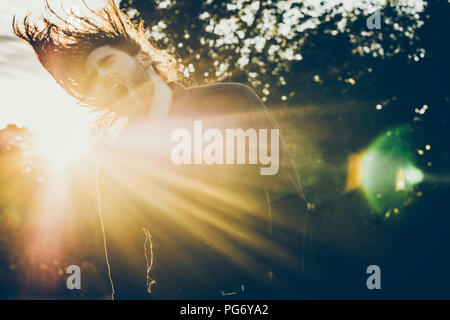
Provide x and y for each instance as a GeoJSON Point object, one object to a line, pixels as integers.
{"type": "Point", "coordinates": [63, 43]}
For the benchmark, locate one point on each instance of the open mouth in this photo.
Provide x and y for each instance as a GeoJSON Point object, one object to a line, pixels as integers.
{"type": "Point", "coordinates": [119, 90]}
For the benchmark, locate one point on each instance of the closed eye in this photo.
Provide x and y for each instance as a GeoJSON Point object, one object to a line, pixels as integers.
{"type": "Point", "coordinates": [92, 74]}
{"type": "Point", "coordinates": [105, 61]}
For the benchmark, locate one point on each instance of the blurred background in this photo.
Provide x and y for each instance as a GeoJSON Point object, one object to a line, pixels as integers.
{"type": "Point", "coordinates": [365, 113]}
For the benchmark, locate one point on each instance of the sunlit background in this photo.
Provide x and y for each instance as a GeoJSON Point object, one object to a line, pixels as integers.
{"type": "Point", "coordinates": [369, 173]}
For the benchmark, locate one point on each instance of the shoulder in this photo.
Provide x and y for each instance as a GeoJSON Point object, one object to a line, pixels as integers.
{"type": "Point", "coordinates": [226, 92]}
{"type": "Point", "coordinates": [218, 87]}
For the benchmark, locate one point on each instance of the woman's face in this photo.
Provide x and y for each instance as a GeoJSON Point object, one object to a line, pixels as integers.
{"type": "Point", "coordinates": [119, 81]}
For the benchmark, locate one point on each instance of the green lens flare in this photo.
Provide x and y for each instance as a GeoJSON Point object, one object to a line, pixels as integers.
{"type": "Point", "coordinates": [388, 172]}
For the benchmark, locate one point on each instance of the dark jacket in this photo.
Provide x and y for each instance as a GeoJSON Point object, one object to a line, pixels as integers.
{"type": "Point", "coordinates": [216, 230]}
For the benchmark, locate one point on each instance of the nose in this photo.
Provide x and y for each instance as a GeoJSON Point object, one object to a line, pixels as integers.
{"type": "Point", "coordinates": [107, 77]}
{"type": "Point", "coordinates": [103, 73]}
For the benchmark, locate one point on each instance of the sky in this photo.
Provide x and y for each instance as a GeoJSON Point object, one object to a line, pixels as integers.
{"type": "Point", "coordinates": [29, 95]}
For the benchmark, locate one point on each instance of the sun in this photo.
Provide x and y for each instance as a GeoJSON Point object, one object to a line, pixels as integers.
{"type": "Point", "coordinates": [59, 125]}
{"type": "Point", "coordinates": [61, 147]}
{"type": "Point", "coordinates": [61, 130]}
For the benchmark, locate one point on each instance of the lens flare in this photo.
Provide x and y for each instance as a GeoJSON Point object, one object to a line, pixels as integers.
{"type": "Point", "coordinates": [386, 170]}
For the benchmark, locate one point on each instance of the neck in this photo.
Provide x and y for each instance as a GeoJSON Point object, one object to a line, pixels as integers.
{"type": "Point", "coordinates": [161, 100]}
{"type": "Point", "coordinates": [162, 97]}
